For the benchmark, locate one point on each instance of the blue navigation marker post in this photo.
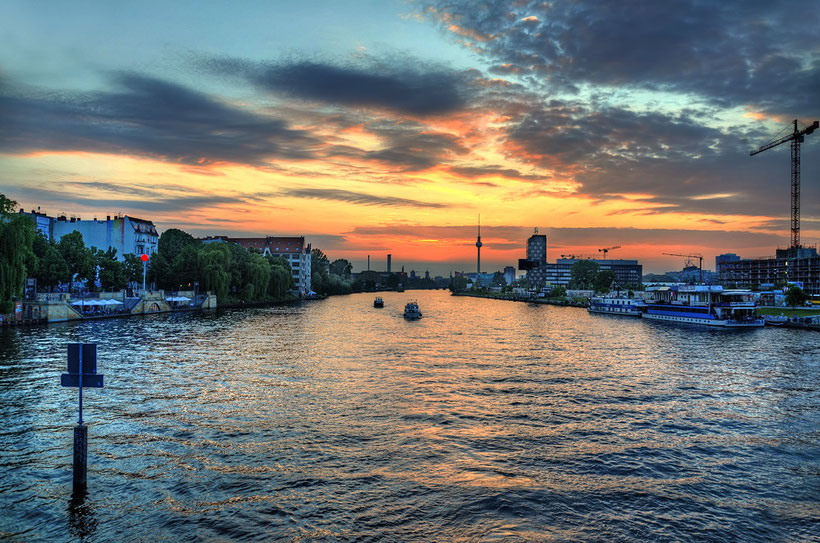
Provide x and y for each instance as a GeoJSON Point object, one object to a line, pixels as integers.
{"type": "Point", "coordinates": [82, 372]}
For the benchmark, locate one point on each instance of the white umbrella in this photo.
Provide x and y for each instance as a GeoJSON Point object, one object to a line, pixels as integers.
{"type": "Point", "coordinates": [114, 302]}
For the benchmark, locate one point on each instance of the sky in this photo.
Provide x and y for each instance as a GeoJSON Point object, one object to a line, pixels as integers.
{"type": "Point", "coordinates": [376, 127]}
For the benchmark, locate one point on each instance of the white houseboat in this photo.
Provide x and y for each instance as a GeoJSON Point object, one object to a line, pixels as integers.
{"type": "Point", "coordinates": [617, 305]}
{"type": "Point", "coordinates": [703, 304]}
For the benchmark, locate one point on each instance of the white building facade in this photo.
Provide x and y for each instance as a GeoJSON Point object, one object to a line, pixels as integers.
{"type": "Point", "coordinates": [128, 235]}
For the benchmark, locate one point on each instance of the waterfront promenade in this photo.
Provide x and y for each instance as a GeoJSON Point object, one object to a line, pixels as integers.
{"type": "Point", "coordinates": [335, 421]}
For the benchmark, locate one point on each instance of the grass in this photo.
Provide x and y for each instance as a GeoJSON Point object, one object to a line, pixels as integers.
{"type": "Point", "coordinates": [788, 311]}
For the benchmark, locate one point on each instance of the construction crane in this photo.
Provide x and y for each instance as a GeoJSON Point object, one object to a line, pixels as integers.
{"type": "Point", "coordinates": [605, 250]}
{"type": "Point", "coordinates": [698, 256]}
{"type": "Point", "coordinates": [796, 137]}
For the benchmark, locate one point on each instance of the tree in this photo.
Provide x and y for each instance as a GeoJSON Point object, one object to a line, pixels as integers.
{"type": "Point", "coordinates": [111, 273]}
{"type": "Point", "coordinates": [498, 279]}
{"type": "Point", "coordinates": [16, 241]}
{"type": "Point", "coordinates": [132, 268]}
{"type": "Point", "coordinates": [79, 259]}
{"type": "Point", "coordinates": [52, 268]}
{"type": "Point", "coordinates": [281, 278]}
{"type": "Point", "coordinates": [341, 267]}
{"type": "Point", "coordinates": [173, 241]}
{"type": "Point", "coordinates": [582, 274]}
{"type": "Point", "coordinates": [603, 281]}
{"type": "Point", "coordinates": [159, 272]}
{"type": "Point", "coordinates": [184, 268]}
{"type": "Point", "coordinates": [319, 271]}
{"type": "Point", "coordinates": [796, 296]}
{"type": "Point", "coordinates": [214, 261]}
{"type": "Point", "coordinates": [258, 277]}
{"type": "Point", "coordinates": [558, 291]}
{"type": "Point", "coordinates": [458, 283]}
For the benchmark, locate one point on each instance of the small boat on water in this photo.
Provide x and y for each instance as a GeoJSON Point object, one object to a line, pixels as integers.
{"type": "Point", "coordinates": [612, 304]}
{"type": "Point", "coordinates": [378, 302]}
{"type": "Point", "coordinates": [775, 320]}
{"type": "Point", "coordinates": [412, 311]}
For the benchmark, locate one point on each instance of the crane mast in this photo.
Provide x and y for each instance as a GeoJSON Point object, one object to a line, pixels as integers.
{"type": "Point", "coordinates": [796, 138]}
{"type": "Point", "coordinates": [696, 255]}
{"type": "Point", "coordinates": [605, 250]}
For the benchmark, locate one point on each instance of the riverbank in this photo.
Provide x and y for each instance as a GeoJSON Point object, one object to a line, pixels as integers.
{"type": "Point", "coordinates": [514, 298]}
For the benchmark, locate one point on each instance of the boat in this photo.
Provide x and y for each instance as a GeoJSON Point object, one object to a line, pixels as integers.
{"type": "Point", "coordinates": [775, 320]}
{"type": "Point", "coordinates": [613, 304]}
{"type": "Point", "coordinates": [378, 302]}
{"type": "Point", "coordinates": [703, 304]}
{"type": "Point", "coordinates": [412, 311]}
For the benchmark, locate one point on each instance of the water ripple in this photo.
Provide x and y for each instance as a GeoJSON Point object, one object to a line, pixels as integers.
{"type": "Point", "coordinates": [486, 420]}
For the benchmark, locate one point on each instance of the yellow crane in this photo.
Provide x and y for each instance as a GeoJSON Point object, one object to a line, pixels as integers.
{"type": "Point", "coordinates": [698, 256]}
{"type": "Point", "coordinates": [605, 250]}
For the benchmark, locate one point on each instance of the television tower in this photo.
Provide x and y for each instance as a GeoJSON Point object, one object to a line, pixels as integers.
{"type": "Point", "coordinates": [478, 245]}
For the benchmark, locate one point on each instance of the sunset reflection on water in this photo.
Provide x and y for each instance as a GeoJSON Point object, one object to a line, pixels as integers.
{"type": "Point", "coordinates": [485, 419]}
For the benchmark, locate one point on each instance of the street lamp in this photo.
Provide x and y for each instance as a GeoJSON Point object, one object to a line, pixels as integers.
{"type": "Point", "coordinates": [144, 259]}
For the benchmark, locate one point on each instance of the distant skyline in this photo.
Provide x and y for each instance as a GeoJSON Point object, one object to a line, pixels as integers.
{"type": "Point", "coordinates": [375, 127]}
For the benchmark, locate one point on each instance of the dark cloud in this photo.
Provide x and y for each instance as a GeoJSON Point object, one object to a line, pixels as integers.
{"type": "Point", "coordinates": [680, 162]}
{"type": "Point", "coordinates": [171, 199]}
{"type": "Point", "coordinates": [358, 198]}
{"type": "Point", "coordinates": [149, 117]}
{"type": "Point", "coordinates": [402, 84]}
{"type": "Point", "coordinates": [734, 52]}
{"type": "Point", "coordinates": [157, 205]}
{"type": "Point", "coordinates": [474, 172]}
{"type": "Point", "coordinates": [511, 236]}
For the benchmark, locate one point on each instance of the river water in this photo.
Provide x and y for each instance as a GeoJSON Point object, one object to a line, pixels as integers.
{"type": "Point", "coordinates": [484, 421]}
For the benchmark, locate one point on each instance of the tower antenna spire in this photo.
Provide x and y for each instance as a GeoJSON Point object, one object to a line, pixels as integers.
{"type": "Point", "coordinates": [478, 245]}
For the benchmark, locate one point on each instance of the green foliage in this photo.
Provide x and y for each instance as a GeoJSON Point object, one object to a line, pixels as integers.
{"type": "Point", "coordinates": [52, 269]}
{"type": "Point", "coordinates": [582, 274]}
{"type": "Point", "coordinates": [498, 279]}
{"type": "Point", "coordinates": [172, 242]}
{"type": "Point", "coordinates": [458, 283]}
{"type": "Point", "coordinates": [393, 280]}
{"type": "Point", "coordinates": [558, 291]}
{"type": "Point", "coordinates": [159, 272]}
{"type": "Point", "coordinates": [281, 278]}
{"type": "Point", "coordinates": [132, 268]}
{"type": "Point", "coordinates": [341, 267]}
{"type": "Point", "coordinates": [796, 296]}
{"type": "Point", "coordinates": [325, 278]}
{"type": "Point", "coordinates": [7, 206]}
{"type": "Point", "coordinates": [214, 262]}
{"type": "Point", "coordinates": [16, 243]}
{"type": "Point", "coordinates": [603, 281]}
{"type": "Point", "coordinates": [78, 257]}
{"type": "Point", "coordinates": [111, 271]}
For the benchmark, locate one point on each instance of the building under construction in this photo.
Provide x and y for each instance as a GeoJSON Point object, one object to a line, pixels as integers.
{"type": "Point", "coordinates": [799, 265]}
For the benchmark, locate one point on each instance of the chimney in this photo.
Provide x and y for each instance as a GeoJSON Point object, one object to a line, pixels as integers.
{"type": "Point", "coordinates": [389, 257]}
{"type": "Point", "coordinates": [368, 262]}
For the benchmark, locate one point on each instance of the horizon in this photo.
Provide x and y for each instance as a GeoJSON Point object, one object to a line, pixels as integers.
{"type": "Point", "coordinates": [388, 127]}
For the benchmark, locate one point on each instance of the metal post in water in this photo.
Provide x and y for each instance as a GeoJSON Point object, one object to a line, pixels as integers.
{"type": "Point", "coordinates": [80, 440]}
{"type": "Point", "coordinates": [81, 373]}
{"type": "Point", "coordinates": [80, 458]}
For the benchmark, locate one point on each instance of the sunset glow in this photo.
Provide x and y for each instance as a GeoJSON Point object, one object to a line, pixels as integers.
{"type": "Point", "coordinates": [381, 130]}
